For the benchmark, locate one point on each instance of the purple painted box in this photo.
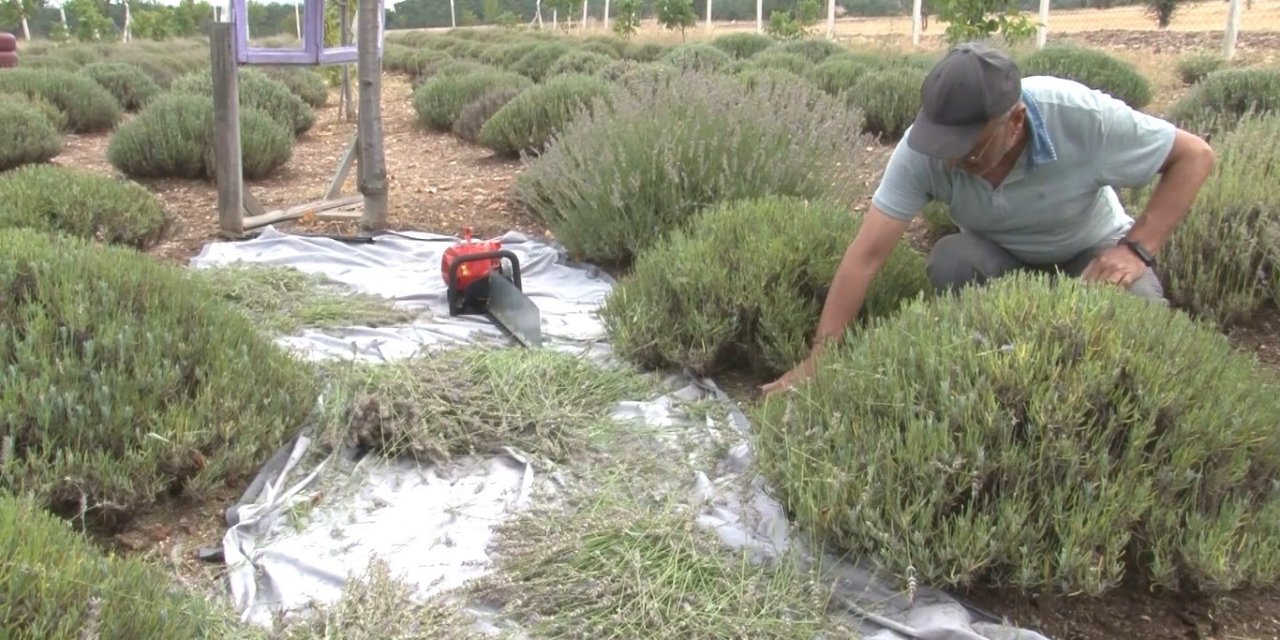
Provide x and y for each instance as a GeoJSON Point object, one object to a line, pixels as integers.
{"type": "Point", "coordinates": [313, 51]}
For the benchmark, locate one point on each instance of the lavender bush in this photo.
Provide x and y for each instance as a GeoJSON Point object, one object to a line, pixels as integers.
{"type": "Point", "coordinates": [617, 179]}
{"type": "Point", "coordinates": [1036, 434]}
{"type": "Point", "coordinates": [744, 284]}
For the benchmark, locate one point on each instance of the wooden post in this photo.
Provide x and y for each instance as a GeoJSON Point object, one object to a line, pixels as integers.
{"type": "Point", "coordinates": [1042, 30]}
{"type": "Point", "coordinates": [1233, 29]}
{"type": "Point", "coordinates": [831, 19]}
{"type": "Point", "coordinates": [373, 170]}
{"type": "Point", "coordinates": [917, 15]}
{"type": "Point", "coordinates": [228, 171]}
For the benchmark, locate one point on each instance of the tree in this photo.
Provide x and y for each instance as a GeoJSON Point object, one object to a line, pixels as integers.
{"type": "Point", "coordinates": [91, 23]}
{"type": "Point", "coordinates": [980, 19]}
{"type": "Point", "coordinates": [1162, 11]}
{"type": "Point", "coordinates": [627, 20]}
{"type": "Point", "coordinates": [20, 12]}
{"type": "Point", "coordinates": [676, 14]}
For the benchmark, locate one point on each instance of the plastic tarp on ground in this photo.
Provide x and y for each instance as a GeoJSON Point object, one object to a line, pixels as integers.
{"type": "Point", "coordinates": [433, 525]}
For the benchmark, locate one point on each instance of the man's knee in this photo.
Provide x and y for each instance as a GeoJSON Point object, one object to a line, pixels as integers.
{"type": "Point", "coordinates": [961, 259]}
{"type": "Point", "coordinates": [1149, 287]}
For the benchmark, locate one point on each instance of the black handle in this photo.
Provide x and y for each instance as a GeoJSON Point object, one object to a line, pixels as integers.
{"type": "Point", "coordinates": [484, 255]}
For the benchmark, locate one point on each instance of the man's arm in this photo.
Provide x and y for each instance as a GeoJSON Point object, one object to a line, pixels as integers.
{"type": "Point", "coordinates": [902, 193]}
{"type": "Point", "coordinates": [1131, 148]}
{"type": "Point", "coordinates": [1183, 173]}
{"type": "Point", "coordinates": [876, 239]}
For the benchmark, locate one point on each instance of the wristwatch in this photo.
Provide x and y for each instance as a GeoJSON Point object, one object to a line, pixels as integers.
{"type": "Point", "coordinates": [1140, 251]}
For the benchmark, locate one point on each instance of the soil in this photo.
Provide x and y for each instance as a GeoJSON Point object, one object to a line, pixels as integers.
{"type": "Point", "coordinates": [439, 183]}
{"type": "Point", "coordinates": [1134, 613]}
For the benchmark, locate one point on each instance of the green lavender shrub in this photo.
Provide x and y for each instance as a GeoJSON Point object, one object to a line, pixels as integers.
{"type": "Point", "coordinates": [528, 122]}
{"type": "Point", "coordinates": [1223, 262]}
{"type": "Point", "coordinates": [580, 61]}
{"type": "Point", "coordinates": [1093, 68]}
{"type": "Point", "coordinates": [744, 45]}
{"type": "Point", "coordinates": [1036, 433]}
{"type": "Point", "coordinates": [81, 203]}
{"type": "Point", "coordinates": [88, 107]}
{"type": "Point", "coordinates": [129, 84]}
{"type": "Point", "coordinates": [1193, 67]}
{"type": "Point", "coordinates": [440, 100]}
{"type": "Point", "coordinates": [30, 136]}
{"type": "Point", "coordinates": [127, 381]}
{"type": "Point", "coordinates": [173, 138]}
{"type": "Point", "coordinates": [257, 91]}
{"type": "Point", "coordinates": [59, 585]}
{"type": "Point", "coordinates": [1221, 99]}
{"type": "Point", "coordinates": [743, 286]}
{"type": "Point", "coordinates": [615, 181]}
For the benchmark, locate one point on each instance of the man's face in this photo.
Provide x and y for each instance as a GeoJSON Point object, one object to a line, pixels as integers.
{"type": "Point", "coordinates": [995, 141]}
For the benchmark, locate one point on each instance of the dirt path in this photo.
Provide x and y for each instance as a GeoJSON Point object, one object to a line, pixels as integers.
{"type": "Point", "coordinates": [438, 183]}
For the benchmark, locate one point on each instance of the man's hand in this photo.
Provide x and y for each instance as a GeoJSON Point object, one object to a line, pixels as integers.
{"type": "Point", "coordinates": [796, 375]}
{"type": "Point", "coordinates": [1118, 265]}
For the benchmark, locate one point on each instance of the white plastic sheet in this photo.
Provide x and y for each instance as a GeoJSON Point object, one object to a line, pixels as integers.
{"type": "Point", "coordinates": [433, 525]}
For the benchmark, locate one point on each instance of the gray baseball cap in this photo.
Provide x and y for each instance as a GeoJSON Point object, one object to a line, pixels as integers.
{"type": "Point", "coordinates": [972, 84]}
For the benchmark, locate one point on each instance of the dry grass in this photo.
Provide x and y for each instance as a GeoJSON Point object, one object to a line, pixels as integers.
{"type": "Point", "coordinates": [620, 554]}
{"type": "Point", "coordinates": [283, 300]}
{"type": "Point", "coordinates": [378, 606]}
{"type": "Point", "coordinates": [475, 400]}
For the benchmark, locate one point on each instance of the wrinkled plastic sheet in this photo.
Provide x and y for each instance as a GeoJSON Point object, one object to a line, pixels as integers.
{"type": "Point", "coordinates": [308, 524]}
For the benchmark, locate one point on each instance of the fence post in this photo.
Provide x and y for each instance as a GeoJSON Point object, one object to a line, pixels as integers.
{"type": "Point", "coordinates": [1042, 31]}
{"type": "Point", "coordinates": [372, 163]}
{"type": "Point", "coordinates": [917, 9]}
{"type": "Point", "coordinates": [228, 167]}
{"type": "Point", "coordinates": [1233, 29]}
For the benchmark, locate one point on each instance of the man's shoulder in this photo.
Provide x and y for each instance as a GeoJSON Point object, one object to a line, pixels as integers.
{"type": "Point", "coordinates": [1063, 95]}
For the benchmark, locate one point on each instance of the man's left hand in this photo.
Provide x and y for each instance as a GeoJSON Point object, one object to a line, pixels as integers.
{"type": "Point", "coordinates": [1118, 265]}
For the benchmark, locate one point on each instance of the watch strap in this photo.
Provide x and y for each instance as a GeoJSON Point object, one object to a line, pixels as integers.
{"type": "Point", "coordinates": [1140, 251]}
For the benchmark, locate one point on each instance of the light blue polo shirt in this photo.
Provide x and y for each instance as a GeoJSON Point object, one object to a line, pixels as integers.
{"type": "Point", "coordinates": [1059, 198]}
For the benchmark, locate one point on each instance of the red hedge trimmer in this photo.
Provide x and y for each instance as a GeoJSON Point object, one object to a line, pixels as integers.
{"type": "Point", "coordinates": [478, 284]}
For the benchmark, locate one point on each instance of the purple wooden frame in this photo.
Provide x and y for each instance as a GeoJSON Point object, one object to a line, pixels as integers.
{"type": "Point", "coordinates": [313, 51]}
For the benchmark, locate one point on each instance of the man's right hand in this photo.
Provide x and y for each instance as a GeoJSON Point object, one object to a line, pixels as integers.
{"type": "Point", "coordinates": [796, 375]}
{"type": "Point", "coordinates": [876, 239]}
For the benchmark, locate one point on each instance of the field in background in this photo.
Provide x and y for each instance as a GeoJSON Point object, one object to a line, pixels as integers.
{"type": "Point", "coordinates": [1211, 15]}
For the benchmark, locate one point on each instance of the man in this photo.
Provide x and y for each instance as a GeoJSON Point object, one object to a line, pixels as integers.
{"type": "Point", "coordinates": [1027, 167]}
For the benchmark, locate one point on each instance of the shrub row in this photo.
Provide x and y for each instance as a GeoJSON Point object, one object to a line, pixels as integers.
{"type": "Point", "coordinates": [883, 86]}
{"type": "Point", "coordinates": [1092, 434]}
{"type": "Point", "coordinates": [616, 179]}
{"type": "Point", "coordinates": [58, 585]}
{"type": "Point", "coordinates": [173, 138]}
{"type": "Point", "coordinates": [88, 107]}
{"type": "Point", "coordinates": [30, 135]}
{"type": "Point", "coordinates": [1223, 264]}
{"type": "Point", "coordinates": [1038, 434]}
{"type": "Point", "coordinates": [172, 135]}
{"type": "Point", "coordinates": [82, 204]}
{"type": "Point", "coordinates": [127, 380]}
{"type": "Point", "coordinates": [743, 285]}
